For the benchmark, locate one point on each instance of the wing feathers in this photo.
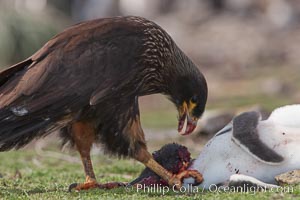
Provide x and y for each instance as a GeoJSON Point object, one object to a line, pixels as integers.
{"type": "Point", "coordinates": [245, 134]}
{"type": "Point", "coordinates": [6, 74]}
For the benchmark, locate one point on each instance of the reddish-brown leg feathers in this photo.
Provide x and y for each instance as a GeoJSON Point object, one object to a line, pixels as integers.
{"type": "Point", "coordinates": [83, 134]}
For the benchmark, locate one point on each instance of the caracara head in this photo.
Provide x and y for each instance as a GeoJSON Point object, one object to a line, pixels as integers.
{"type": "Point", "coordinates": [189, 94]}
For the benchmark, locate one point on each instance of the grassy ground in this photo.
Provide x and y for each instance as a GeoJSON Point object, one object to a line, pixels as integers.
{"type": "Point", "coordinates": [27, 175]}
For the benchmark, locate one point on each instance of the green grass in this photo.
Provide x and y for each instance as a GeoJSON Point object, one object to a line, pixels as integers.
{"type": "Point", "coordinates": [25, 175]}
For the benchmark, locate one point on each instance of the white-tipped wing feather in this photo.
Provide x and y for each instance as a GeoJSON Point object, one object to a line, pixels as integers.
{"type": "Point", "coordinates": [246, 135]}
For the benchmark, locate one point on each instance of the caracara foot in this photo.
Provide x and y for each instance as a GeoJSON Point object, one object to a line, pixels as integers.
{"type": "Point", "coordinates": [94, 184]}
{"type": "Point", "coordinates": [178, 178]}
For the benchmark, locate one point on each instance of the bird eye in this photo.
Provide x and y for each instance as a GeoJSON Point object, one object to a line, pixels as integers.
{"type": "Point", "coordinates": [194, 99]}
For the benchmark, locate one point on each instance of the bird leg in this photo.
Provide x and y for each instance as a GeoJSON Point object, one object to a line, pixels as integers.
{"type": "Point", "coordinates": [173, 179]}
{"type": "Point", "coordinates": [84, 135]}
{"type": "Point", "coordinates": [142, 155]}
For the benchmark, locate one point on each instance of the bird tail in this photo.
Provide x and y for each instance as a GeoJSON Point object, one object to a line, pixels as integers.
{"type": "Point", "coordinates": [17, 131]}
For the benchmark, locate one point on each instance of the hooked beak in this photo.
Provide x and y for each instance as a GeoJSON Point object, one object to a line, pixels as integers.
{"type": "Point", "coordinates": [186, 124]}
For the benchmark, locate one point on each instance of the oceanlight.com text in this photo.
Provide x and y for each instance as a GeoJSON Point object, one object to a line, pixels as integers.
{"type": "Point", "coordinates": [247, 189]}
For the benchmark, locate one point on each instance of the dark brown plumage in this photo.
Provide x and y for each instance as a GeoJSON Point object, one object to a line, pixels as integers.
{"type": "Point", "coordinates": [86, 82]}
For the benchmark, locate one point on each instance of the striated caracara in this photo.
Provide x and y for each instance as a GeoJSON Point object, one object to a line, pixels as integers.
{"type": "Point", "coordinates": [86, 82]}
